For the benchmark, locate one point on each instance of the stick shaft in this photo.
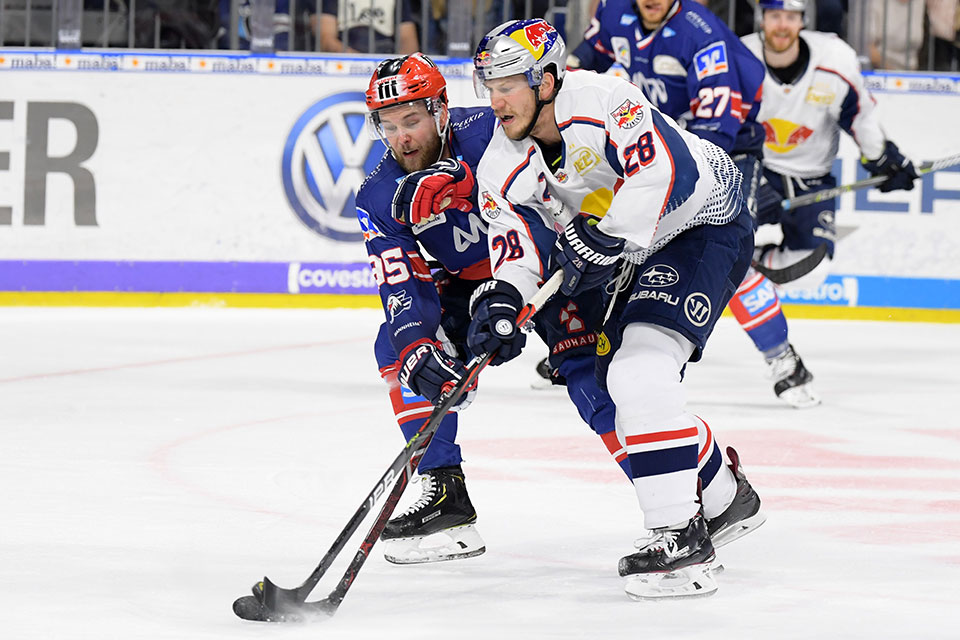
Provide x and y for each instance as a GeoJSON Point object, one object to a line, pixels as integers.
{"type": "Point", "coordinates": [826, 194]}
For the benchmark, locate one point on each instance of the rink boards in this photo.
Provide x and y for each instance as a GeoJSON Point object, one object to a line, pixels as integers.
{"type": "Point", "coordinates": [162, 178]}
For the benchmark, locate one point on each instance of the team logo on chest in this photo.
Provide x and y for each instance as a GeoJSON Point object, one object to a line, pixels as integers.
{"type": "Point", "coordinates": [820, 95]}
{"type": "Point", "coordinates": [584, 159]}
{"type": "Point", "coordinates": [628, 115]}
{"type": "Point", "coordinates": [783, 136]}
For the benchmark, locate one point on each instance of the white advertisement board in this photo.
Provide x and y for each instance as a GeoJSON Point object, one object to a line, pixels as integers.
{"type": "Point", "coordinates": [200, 171]}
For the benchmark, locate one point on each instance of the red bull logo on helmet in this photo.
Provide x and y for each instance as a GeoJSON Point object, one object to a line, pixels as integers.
{"type": "Point", "coordinates": [535, 36]}
{"type": "Point", "coordinates": [483, 59]}
{"type": "Point", "coordinates": [628, 115]}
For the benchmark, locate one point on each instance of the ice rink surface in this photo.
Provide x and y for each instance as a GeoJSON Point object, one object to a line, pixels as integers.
{"type": "Point", "coordinates": [155, 463]}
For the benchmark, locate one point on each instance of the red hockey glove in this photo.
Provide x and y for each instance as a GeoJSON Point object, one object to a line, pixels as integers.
{"type": "Point", "coordinates": [447, 184]}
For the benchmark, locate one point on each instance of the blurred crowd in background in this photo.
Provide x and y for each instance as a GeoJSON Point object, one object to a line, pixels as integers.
{"type": "Point", "coordinates": [888, 34]}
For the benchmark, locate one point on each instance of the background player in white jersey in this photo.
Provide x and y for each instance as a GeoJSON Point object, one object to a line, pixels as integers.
{"type": "Point", "coordinates": [585, 171]}
{"type": "Point", "coordinates": [813, 89]}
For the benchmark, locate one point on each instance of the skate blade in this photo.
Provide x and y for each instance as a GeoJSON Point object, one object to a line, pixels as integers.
{"type": "Point", "coordinates": [695, 581]}
{"type": "Point", "coordinates": [738, 530]}
{"type": "Point", "coordinates": [450, 544]}
{"type": "Point", "coordinates": [802, 397]}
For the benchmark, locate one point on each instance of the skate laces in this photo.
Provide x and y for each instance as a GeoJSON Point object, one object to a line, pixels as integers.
{"type": "Point", "coordinates": [430, 487]}
{"type": "Point", "coordinates": [664, 541]}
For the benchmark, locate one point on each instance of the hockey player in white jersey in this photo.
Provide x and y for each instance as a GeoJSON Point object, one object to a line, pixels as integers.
{"type": "Point", "coordinates": [585, 175]}
{"type": "Point", "coordinates": [813, 89]}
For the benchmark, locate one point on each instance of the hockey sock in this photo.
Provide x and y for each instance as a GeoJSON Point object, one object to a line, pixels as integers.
{"type": "Point", "coordinates": [717, 482]}
{"type": "Point", "coordinates": [594, 405]}
{"type": "Point", "coordinates": [756, 307]}
{"type": "Point", "coordinates": [411, 411]}
{"type": "Point", "coordinates": [661, 438]}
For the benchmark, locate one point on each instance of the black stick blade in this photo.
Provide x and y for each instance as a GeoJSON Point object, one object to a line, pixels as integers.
{"type": "Point", "coordinates": [796, 270]}
{"type": "Point", "coordinates": [250, 608]}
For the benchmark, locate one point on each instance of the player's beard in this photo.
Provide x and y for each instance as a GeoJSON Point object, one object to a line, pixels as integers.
{"type": "Point", "coordinates": [791, 39]}
{"type": "Point", "coordinates": [518, 126]}
{"type": "Point", "coordinates": [425, 156]}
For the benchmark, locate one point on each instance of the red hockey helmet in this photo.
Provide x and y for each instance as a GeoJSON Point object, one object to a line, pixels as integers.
{"type": "Point", "coordinates": [402, 80]}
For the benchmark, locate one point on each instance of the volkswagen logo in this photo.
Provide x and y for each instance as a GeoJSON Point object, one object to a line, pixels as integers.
{"type": "Point", "coordinates": [325, 159]}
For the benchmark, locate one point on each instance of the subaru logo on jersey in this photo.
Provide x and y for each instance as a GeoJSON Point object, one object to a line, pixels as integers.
{"type": "Point", "coordinates": [628, 115]}
{"type": "Point", "coordinates": [628, 19]}
{"type": "Point", "coordinates": [697, 309]}
{"type": "Point", "coordinates": [397, 303]}
{"type": "Point", "coordinates": [659, 275]}
{"type": "Point", "coordinates": [711, 60]}
{"type": "Point", "coordinates": [668, 32]}
{"type": "Point", "coordinates": [325, 158]}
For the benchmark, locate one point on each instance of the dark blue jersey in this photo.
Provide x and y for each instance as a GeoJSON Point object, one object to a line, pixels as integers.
{"type": "Point", "coordinates": [457, 240]}
{"type": "Point", "coordinates": [692, 67]}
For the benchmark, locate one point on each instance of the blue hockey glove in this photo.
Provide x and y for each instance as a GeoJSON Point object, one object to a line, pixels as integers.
{"type": "Point", "coordinates": [891, 163]}
{"type": "Point", "coordinates": [428, 371]}
{"type": "Point", "coordinates": [494, 307]}
{"type": "Point", "coordinates": [587, 256]}
{"type": "Point", "coordinates": [447, 184]}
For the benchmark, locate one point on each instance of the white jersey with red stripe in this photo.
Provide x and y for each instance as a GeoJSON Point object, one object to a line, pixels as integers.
{"type": "Point", "coordinates": [622, 161]}
{"type": "Point", "coordinates": [803, 120]}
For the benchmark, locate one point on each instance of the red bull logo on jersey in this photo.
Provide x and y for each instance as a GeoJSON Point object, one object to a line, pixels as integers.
{"type": "Point", "coordinates": [489, 206]}
{"type": "Point", "coordinates": [711, 61]}
{"type": "Point", "coordinates": [534, 37]}
{"type": "Point", "coordinates": [783, 136]}
{"type": "Point", "coordinates": [628, 115]}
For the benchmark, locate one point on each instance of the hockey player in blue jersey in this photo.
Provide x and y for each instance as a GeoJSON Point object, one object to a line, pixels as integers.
{"type": "Point", "coordinates": [422, 198]}
{"type": "Point", "coordinates": [694, 69]}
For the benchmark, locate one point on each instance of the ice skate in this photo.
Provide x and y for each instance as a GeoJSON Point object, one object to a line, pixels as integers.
{"type": "Point", "coordinates": [792, 380]}
{"type": "Point", "coordinates": [675, 563]}
{"type": "Point", "coordinates": [743, 515]}
{"type": "Point", "coordinates": [438, 526]}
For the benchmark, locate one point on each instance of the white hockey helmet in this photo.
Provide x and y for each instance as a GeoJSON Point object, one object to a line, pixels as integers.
{"type": "Point", "coordinates": [519, 46]}
{"type": "Point", "coordinates": [783, 5]}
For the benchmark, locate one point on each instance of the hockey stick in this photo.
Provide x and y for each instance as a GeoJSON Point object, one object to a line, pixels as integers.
{"type": "Point", "coordinates": [270, 603]}
{"type": "Point", "coordinates": [819, 196]}
{"type": "Point", "coordinates": [793, 271]}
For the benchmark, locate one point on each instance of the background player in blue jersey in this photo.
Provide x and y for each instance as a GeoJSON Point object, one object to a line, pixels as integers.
{"type": "Point", "coordinates": [694, 69]}
{"type": "Point", "coordinates": [421, 199]}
